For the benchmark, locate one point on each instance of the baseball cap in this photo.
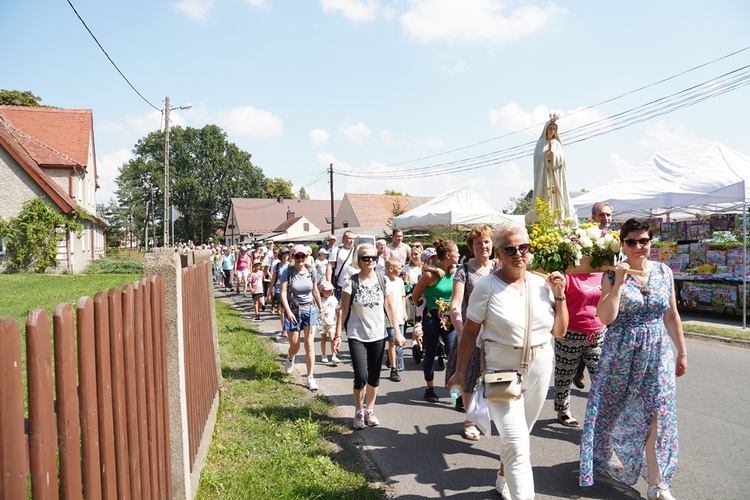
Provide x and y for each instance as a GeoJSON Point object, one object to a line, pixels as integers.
{"type": "Point", "coordinates": [323, 251]}
{"type": "Point", "coordinates": [326, 285]}
{"type": "Point", "coordinates": [284, 249]}
{"type": "Point", "coordinates": [256, 261]}
{"type": "Point", "coordinates": [299, 249]}
{"type": "Point", "coordinates": [428, 253]}
{"type": "Point", "coordinates": [331, 237]}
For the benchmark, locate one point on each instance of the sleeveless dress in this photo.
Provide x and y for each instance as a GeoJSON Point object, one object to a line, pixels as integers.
{"type": "Point", "coordinates": [634, 381]}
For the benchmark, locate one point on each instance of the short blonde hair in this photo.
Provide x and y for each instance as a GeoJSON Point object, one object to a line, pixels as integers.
{"type": "Point", "coordinates": [505, 231]}
{"type": "Point", "coordinates": [362, 247]}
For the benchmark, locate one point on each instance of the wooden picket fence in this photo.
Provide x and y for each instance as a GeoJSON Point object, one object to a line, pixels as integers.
{"type": "Point", "coordinates": [98, 421]}
{"type": "Point", "coordinates": [201, 376]}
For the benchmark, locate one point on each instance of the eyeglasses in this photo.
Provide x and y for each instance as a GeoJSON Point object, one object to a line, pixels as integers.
{"type": "Point", "coordinates": [300, 256]}
{"type": "Point", "coordinates": [523, 249]}
{"type": "Point", "coordinates": [368, 258]}
{"type": "Point", "coordinates": [631, 242]}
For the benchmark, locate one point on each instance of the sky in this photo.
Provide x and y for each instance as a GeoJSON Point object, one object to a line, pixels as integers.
{"type": "Point", "coordinates": [392, 93]}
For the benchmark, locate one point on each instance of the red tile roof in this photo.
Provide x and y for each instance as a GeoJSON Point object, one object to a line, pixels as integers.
{"type": "Point", "coordinates": [377, 209]}
{"type": "Point", "coordinates": [264, 215]}
{"type": "Point", "coordinates": [52, 137]}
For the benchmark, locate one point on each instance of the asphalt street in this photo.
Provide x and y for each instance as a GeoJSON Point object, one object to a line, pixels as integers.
{"type": "Point", "coordinates": [418, 450]}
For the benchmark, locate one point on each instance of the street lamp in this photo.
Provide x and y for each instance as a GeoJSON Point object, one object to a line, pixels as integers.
{"type": "Point", "coordinates": [167, 109]}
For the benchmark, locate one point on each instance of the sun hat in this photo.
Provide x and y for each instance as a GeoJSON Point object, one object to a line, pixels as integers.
{"type": "Point", "coordinates": [257, 261]}
{"type": "Point", "coordinates": [428, 253]}
{"type": "Point", "coordinates": [299, 249]}
{"type": "Point", "coordinates": [323, 250]}
{"type": "Point", "coordinates": [326, 285]}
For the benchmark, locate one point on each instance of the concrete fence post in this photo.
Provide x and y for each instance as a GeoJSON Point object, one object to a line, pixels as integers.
{"type": "Point", "coordinates": [168, 265]}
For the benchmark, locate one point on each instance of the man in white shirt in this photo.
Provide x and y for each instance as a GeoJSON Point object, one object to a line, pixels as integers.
{"type": "Point", "coordinates": [397, 248]}
{"type": "Point", "coordinates": [339, 262]}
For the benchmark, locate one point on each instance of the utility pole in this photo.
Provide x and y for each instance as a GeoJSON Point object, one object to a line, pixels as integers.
{"type": "Point", "coordinates": [330, 171]}
{"type": "Point", "coordinates": [165, 238]}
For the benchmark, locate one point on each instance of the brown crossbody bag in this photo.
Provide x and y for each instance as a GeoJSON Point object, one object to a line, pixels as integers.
{"type": "Point", "coordinates": [506, 385]}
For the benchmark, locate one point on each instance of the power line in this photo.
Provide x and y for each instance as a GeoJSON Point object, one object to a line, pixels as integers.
{"type": "Point", "coordinates": [715, 87]}
{"type": "Point", "coordinates": [110, 59]}
{"type": "Point", "coordinates": [606, 101]}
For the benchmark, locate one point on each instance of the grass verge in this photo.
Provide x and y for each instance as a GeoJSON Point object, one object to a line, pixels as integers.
{"type": "Point", "coordinates": [21, 293]}
{"type": "Point", "coordinates": [730, 333]}
{"type": "Point", "coordinates": [270, 436]}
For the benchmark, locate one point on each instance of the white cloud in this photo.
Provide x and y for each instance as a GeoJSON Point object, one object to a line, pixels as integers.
{"type": "Point", "coordinates": [108, 169]}
{"type": "Point", "coordinates": [251, 122]}
{"type": "Point", "coordinates": [261, 4]}
{"type": "Point", "coordinates": [664, 136]}
{"type": "Point", "coordinates": [455, 67]}
{"type": "Point", "coordinates": [357, 133]}
{"type": "Point", "coordinates": [475, 21]}
{"type": "Point", "coordinates": [319, 137]}
{"type": "Point", "coordinates": [197, 9]}
{"type": "Point", "coordinates": [513, 118]}
{"type": "Point", "coordinates": [354, 10]}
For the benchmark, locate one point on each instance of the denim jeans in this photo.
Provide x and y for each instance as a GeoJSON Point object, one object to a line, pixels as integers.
{"type": "Point", "coordinates": [432, 334]}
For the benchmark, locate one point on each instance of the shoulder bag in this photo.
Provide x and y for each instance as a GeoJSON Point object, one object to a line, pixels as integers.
{"type": "Point", "coordinates": [506, 385]}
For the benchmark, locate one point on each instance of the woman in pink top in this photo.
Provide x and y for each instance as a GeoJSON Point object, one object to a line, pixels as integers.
{"type": "Point", "coordinates": [582, 341]}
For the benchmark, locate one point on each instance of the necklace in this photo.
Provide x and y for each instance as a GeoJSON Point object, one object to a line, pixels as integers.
{"type": "Point", "coordinates": [519, 287]}
{"type": "Point", "coordinates": [643, 281]}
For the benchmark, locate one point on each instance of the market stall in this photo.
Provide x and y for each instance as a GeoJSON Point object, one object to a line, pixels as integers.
{"type": "Point", "coordinates": [680, 190]}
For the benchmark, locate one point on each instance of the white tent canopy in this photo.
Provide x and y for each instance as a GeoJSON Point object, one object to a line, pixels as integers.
{"type": "Point", "coordinates": [456, 209]}
{"type": "Point", "coordinates": [705, 178]}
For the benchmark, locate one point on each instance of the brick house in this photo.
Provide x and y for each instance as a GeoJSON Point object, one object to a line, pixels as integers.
{"type": "Point", "coordinates": [49, 153]}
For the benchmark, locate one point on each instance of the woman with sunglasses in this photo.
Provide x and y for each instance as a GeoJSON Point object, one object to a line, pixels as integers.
{"type": "Point", "coordinates": [299, 296]}
{"type": "Point", "coordinates": [366, 298]}
{"type": "Point", "coordinates": [435, 288]}
{"type": "Point", "coordinates": [498, 306]}
{"type": "Point", "coordinates": [631, 415]}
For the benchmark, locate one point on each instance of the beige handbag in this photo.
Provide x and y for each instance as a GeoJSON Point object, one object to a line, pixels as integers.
{"type": "Point", "coordinates": [506, 385]}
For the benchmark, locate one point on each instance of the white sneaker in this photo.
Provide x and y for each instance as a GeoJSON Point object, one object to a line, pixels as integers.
{"type": "Point", "coordinates": [289, 365]}
{"type": "Point", "coordinates": [335, 360]}
{"type": "Point", "coordinates": [324, 360]}
{"type": "Point", "coordinates": [658, 493]}
{"type": "Point", "coordinates": [311, 384]}
{"type": "Point", "coordinates": [359, 419]}
{"type": "Point", "coordinates": [502, 487]}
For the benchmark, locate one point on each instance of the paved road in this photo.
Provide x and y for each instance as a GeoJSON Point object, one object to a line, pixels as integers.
{"type": "Point", "coordinates": [419, 451]}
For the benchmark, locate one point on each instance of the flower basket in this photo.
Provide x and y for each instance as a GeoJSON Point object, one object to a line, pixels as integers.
{"type": "Point", "coordinates": [568, 248]}
{"type": "Point", "coordinates": [585, 266]}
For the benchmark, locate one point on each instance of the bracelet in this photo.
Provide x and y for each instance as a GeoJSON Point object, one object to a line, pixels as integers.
{"type": "Point", "coordinates": [681, 355]}
{"type": "Point", "coordinates": [560, 299]}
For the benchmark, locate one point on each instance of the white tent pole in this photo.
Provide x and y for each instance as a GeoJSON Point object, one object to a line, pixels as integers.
{"type": "Point", "coordinates": [744, 264]}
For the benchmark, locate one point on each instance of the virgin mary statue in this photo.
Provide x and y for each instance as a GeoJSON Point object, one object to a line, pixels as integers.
{"type": "Point", "coordinates": [550, 181]}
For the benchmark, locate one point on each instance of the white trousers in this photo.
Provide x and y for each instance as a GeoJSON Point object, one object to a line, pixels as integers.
{"type": "Point", "coordinates": [515, 419]}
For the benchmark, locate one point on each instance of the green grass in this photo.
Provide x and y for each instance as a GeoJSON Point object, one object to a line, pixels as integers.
{"type": "Point", "coordinates": [270, 436]}
{"type": "Point", "coordinates": [21, 293]}
{"type": "Point", "coordinates": [730, 333]}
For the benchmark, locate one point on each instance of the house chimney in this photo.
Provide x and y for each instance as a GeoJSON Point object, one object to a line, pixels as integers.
{"type": "Point", "coordinates": [289, 214]}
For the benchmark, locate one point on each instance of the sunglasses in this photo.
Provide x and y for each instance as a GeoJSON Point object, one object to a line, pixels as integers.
{"type": "Point", "coordinates": [523, 249]}
{"type": "Point", "coordinates": [630, 242]}
{"type": "Point", "coordinates": [300, 256]}
{"type": "Point", "coordinates": [369, 258]}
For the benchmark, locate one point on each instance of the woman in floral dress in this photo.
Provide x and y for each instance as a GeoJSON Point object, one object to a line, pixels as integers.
{"type": "Point", "coordinates": [630, 427]}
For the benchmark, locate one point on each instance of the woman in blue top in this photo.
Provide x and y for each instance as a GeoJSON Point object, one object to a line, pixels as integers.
{"type": "Point", "coordinates": [435, 288]}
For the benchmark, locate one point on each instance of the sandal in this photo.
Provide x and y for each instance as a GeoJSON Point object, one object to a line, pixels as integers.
{"type": "Point", "coordinates": [470, 431]}
{"type": "Point", "coordinates": [565, 418]}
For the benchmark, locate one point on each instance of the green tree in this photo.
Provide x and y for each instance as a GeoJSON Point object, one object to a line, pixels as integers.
{"type": "Point", "coordinates": [519, 205]}
{"type": "Point", "coordinates": [117, 220]}
{"type": "Point", "coordinates": [19, 98]}
{"type": "Point", "coordinates": [303, 194]}
{"type": "Point", "coordinates": [393, 192]}
{"type": "Point", "coordinates": [31, 238]}
{"type": "Point", "coordinates": [205, 171]}
{"type": "Point", "coordinates": [278, 187]}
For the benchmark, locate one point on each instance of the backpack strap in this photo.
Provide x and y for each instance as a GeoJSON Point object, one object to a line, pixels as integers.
{"type": "Point", "coordinates": [355, 287]}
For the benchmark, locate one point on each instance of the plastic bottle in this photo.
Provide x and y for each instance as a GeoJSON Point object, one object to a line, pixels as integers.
{"type": "Point", "coordinates": [400, 359]}
{"type": "Point", "coordinates": [455, 392]}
